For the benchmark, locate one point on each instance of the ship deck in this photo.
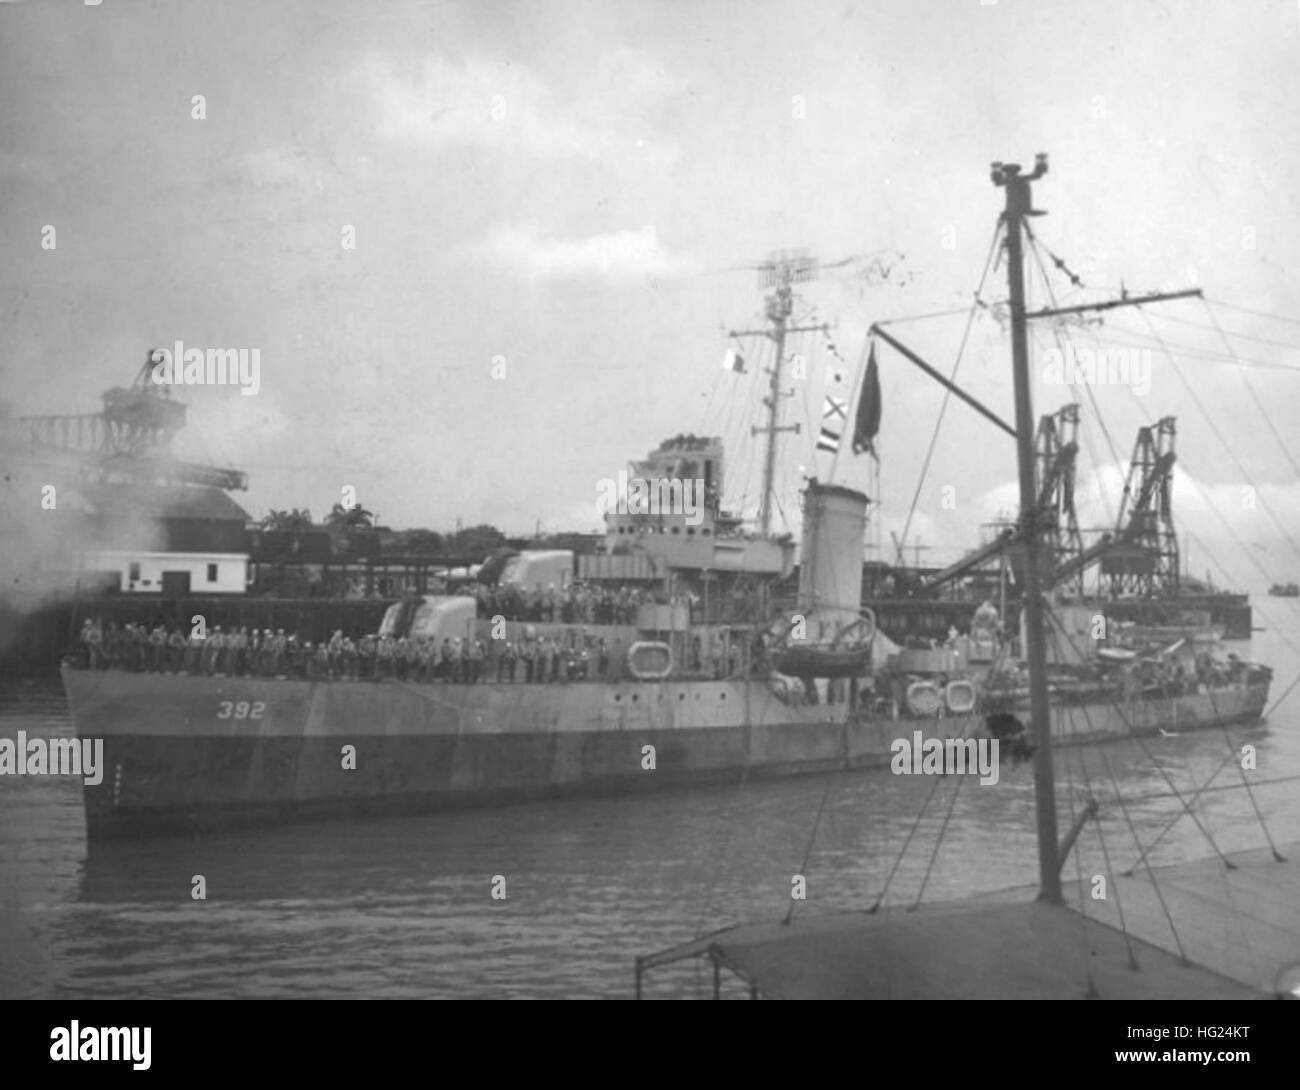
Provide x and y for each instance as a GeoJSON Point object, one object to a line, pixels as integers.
{"type": "Point", "coordinates": [1238, 928]}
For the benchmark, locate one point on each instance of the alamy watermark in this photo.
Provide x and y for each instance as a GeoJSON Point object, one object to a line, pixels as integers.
{"type": "Point", "coordinates": [1102, 367]}
{"type": "Point", "coordinates": [656, 496]}
{"type": "Point", "coordinates": [921, 756]}
{"type": "Point", "coordinates": [119, 1043]}
{"type": "Point", "coordinates": [181, 366]}
{"type": "Point", "coordinates": [53, 757]}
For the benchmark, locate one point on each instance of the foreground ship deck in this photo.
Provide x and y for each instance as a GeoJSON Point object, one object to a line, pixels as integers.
{"type": "Point", "coordinates": [185, 754]}
{"type": "Point", "coordinates": [1008, 946]}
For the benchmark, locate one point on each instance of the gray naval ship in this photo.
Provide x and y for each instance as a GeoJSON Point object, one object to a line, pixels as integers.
{"type": "Point", "coordinates": [714, 676]}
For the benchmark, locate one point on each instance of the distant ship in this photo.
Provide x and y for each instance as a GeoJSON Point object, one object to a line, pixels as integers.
{"type": "Point", "coordinates": [706, 673]}
{"type": "Point", "coordinates": [1284, 590]}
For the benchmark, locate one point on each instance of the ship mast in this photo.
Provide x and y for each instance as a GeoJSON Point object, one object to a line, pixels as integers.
{"type": "Point", "coordinates": [1020, 205]}
{"type": "Point", "coordinates": [780, 271]}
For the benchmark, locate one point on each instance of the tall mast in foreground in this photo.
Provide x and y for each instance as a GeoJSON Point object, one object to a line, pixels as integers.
{"type": "Point", "coordinates": [1020, 205]}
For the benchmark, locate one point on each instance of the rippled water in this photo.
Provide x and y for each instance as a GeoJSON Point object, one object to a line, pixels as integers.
{"type": "Point", "coordinates": [402, 908]}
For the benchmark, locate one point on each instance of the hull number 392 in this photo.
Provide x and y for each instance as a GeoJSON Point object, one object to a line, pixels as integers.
{"type": "Point", "coordinates": [242, 710]}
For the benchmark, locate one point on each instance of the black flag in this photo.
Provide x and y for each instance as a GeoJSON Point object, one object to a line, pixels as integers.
{"type": "Point", "coordinates": [868, 422]}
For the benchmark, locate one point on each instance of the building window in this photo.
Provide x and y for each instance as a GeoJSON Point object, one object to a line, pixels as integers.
{"type": "Point", "coordinates": [133, 572]}
{"type": "Point", "coordinates": [212, 573]}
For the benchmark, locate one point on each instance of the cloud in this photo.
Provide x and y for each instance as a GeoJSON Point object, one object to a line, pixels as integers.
{"type": "Point", "coordinates": [503, 106]}
{"type": "Point", "coordinates": [473, 102]}
{"type": "Point", "coordinates": [614, 254]}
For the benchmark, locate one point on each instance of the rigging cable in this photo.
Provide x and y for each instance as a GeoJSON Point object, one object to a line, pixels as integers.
{"type": "Point", "coordinates": [812, 837]}
{"type": "Point", "coordinates": [1223, 442]}
{"type": "Point", "coordinates": [947, 393]}
{"type": "Point", "coordinates": [1078, 875]}
{"type": "Point", "coordinates": [1069, 639]}
{"type": "Point", "coordinates": [1105, 852]}
{"type": "Point", "coordinates": [1227, 525]}
{"type": "Point", "coordinates": [938, 843]}
{"type": "Point", "coordinates": [1151, 874]}
{"type": "Point", "coordinates": [898, 859]}
{"type": "Point", "coordinates": [1255, 397]}
{"type": "Point", "coordinates": [1258, 313]}
{"type": "Point", "coordinates": [1216, 329]}
{"type": "Point", "coordinates": [1132, 335]}
{"type": "Point", "coordinates": [1155, 884]}
{"type": "Point", "coordinates": [1098, 415]}
{"type": "Point", "coordinates": [1228, 528]}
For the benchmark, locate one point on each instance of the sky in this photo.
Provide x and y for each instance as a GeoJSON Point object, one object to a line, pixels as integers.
{"type": "Point", "coordinates": [489, 252]}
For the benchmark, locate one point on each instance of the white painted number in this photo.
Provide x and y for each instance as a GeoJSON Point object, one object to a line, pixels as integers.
{"type": "Point", "coordinates": [242, 710]}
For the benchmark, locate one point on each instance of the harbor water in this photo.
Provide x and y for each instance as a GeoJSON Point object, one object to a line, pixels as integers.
{"type": "Point", "coordinates": [405, 908]}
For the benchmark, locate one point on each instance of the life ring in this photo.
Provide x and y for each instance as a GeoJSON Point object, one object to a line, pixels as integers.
{"type": "Point", "coordinates": [924, 699]}
{"type": "Point", "coordinates": [641, 658]}
{"type": "Point", "coordinates": [960, 695]}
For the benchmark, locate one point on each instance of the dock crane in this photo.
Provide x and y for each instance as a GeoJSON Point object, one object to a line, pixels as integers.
{"type": "Point", "coordinates": [128, 439]}
{"type": "Point", "coordinates": [1141, 556]}
{"type": "Point", "coordinates": [1056, 449]}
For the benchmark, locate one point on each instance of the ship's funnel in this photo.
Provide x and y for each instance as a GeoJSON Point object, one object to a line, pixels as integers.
{"type": "Point", "coordinates": [830, 568]}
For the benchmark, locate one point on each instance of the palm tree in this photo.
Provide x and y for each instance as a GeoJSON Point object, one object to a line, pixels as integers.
{"type": "Point", "coordinates": [350, 518]}
{"type": "Point", "coordinates": [297, 519]}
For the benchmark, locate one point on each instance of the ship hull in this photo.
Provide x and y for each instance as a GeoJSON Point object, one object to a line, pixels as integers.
{"type": "Point", "coordinates": [190, 754]}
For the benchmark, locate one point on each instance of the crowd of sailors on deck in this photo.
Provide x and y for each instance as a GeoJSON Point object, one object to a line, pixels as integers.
{"type": "Point", "coordinates": [575, 655]}
{"type": "Point", "coordinates": [242, 652]}
{"type": "Point", "coordinates": [574, 603]}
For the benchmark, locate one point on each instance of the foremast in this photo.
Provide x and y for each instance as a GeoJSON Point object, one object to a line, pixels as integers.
{"type": "Point", "coordinates": [780, 272]}
{"type": "Point", "coordinates": [1018, 206]}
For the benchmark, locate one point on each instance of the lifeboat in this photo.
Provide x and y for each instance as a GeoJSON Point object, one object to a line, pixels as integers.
{"type": "Point", "coordinates": [924, 699]}
{"type": "Point", "coordinates": [649, 660]}
{"type": "Point", "coordinates": [1116, 654]}
{"type": "Point", "coordinates": [848, 655]}
{"type": "Point", "coordinates": [960, 696]}
{"type": "Point", "coordinates": [821, 661]}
